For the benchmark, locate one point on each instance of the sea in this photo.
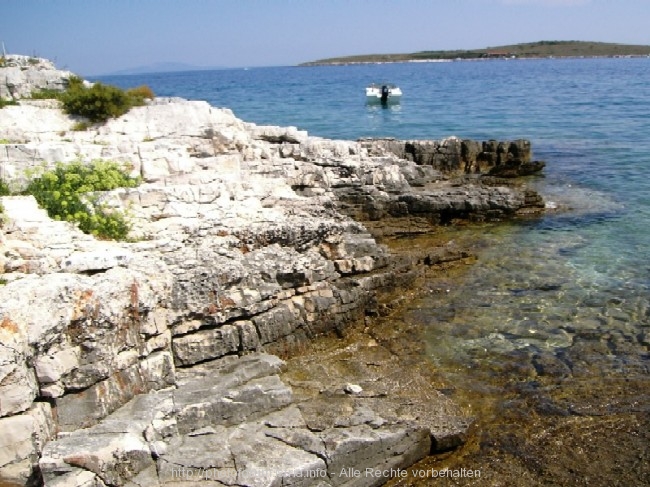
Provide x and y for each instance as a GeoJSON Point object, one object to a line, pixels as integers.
{"type": "Point", "coordinates": [544, 339]}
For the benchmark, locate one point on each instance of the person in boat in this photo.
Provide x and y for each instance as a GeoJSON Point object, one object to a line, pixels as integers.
{"type": "Point", "coordinates": [385, 91]}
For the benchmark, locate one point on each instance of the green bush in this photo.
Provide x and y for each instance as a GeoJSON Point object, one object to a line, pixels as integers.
{"type": "Point", "coordinates": [80, 126]}
{"type": "Point", "coordinates": [97, 103]}
{"type": "Point", "coordinates": [4, 189]}
{"type": "Point", "coordinates": [139, 94]}
{"type": "Point", "coordinates": [5, 103]}
{"type": "Point", "coordinates": [100, 102]}
{"type": "Point", "coordinates": [46, 94]}
{"type": "Point", "coordinates": [67, 194]}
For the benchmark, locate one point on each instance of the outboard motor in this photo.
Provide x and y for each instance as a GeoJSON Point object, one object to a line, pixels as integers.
{"type": "Point", "coordinates": [385, 91]}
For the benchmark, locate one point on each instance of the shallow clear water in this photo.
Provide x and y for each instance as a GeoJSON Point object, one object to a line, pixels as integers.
{"type": "Point", "coordinates": [554, 318]}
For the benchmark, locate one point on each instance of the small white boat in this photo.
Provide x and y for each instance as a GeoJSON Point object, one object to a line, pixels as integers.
{"type": "Point", "coordinates": [384, 94]}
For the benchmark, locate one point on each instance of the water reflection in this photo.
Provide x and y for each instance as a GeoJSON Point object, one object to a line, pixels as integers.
{"type": "Point", "coordinates": [382, 119]}
{"type": "Point", "coordinates": [374, 108]}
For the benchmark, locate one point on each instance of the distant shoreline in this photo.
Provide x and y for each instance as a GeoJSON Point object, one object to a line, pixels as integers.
{"type": "Point", "coordinates": [426, 61]}
{"type": "Point", "coordinates": [534, 50]}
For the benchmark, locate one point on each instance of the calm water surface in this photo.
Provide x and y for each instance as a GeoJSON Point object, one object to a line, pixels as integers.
{"type": "Point", "coordinates": [547, 336]}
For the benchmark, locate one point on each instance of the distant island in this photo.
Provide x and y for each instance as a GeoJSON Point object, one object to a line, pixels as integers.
{"type": "Point", "coordinates": [541, 49]}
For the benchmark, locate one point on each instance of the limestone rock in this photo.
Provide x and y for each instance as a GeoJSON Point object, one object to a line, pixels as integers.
{"type": "Point", "coordinates": [264, 442]}
{"type": "Point", "coordinates": [454, 156]}
{"type": "Point", "coordinates": [24, 74]}
{"type": "Point", "coordinates": [22, 437]}
{"type": "Point", "coordinates": [18, 386]}
{"type": "Point", "coordinates": [95, 261]}
{"type": "Point", "coordinates": [114, 458]}
{"type": "Point", "coordinates": [16, 438]}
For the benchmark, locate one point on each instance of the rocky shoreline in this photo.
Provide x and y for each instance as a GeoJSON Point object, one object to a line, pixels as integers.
{"type": "Point", "coordinates": [148, 362]}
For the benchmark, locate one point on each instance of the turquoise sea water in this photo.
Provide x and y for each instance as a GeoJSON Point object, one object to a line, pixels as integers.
{"type": "Point", "coordinates": [564, 300]}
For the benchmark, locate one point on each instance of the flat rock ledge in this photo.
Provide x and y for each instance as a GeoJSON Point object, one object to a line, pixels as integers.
{"type": "Point", "coordinates": [145, 363]}
{"type": "Point", "coordinates": [235, 422]}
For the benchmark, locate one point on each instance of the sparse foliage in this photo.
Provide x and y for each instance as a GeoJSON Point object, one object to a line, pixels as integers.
{"type": "Point", "coordinates": [98, 102]}
{"type": "Point", "coordinates": [67, 193]}
{"type": "Point", "coordinates": [81, 126]}
{"type": "Point", "coordinates": [46, 94]}
{"type": "Point", "coordinates": [5, 103]}
{"type": "Point", "coordinates": [4, 189]}
{"type": "Point", "coordinates": [140, 93]}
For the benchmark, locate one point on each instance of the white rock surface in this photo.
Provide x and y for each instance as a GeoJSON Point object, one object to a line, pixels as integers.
{"type": "Point", "coordinates": [24, 74]}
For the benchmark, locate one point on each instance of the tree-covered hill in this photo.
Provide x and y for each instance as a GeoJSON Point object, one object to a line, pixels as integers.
{"type": "Point", "coordinates": [527, 50]}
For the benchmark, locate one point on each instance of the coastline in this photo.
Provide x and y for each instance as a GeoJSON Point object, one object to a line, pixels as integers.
{"type": "Point", "coordinates": [244, 244]}
{"type": "Point", "coordinates": [517, 58]}
{"type": "Point", "coordinates": [535, 50]}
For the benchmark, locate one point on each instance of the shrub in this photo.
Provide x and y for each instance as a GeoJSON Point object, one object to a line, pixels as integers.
{"type": "Point", "coordinates": [97, 103]}
{"type": "Point", "coordinates": [101, 102]}
{"type": "Point", "coordinates": [67, 194]}
{"type": "Point", "coordinates": [80, 126]}
{"type": "Point", "coordinates": [4, 103]}
{"type": "Point", "coordinates": [46, 94]}
{"type": "Point", "coordinates": [75, 82]}
{"type": "Point", "coordinates": [139, 94]}
{"type": "Point", "coordinates": [4, 189]}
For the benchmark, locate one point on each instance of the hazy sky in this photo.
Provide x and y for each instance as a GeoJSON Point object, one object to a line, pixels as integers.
{"type": "Point", "coordinates": [101, 36]}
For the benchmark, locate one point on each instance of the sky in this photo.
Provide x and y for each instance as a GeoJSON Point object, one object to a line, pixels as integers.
{"type": "Point", "coordinates": [94, 37]}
